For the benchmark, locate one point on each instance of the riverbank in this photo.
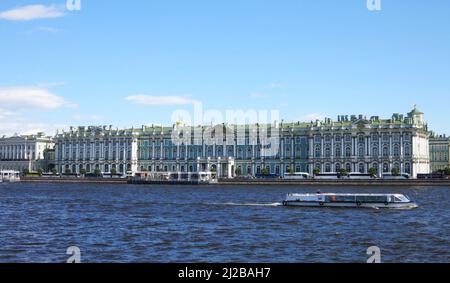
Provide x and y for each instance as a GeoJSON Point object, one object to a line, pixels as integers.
{"type": "Point", "coordinates": [359, 183]}
{"type": "Point", "coordinates": [253, 182]}
{"type": "Point", "coordinates": [72, 180]}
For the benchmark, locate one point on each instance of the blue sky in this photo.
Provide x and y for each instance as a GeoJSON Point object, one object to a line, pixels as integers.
{"type": "Point", "coordinates": [305, 58]}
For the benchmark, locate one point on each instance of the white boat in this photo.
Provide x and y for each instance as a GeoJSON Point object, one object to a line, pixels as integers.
{"type": "Point", "coordinates": [350, 200]}
{"type": "Point", "coordinates": [9, 176]}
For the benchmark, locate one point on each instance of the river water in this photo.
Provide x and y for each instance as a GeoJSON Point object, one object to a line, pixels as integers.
{"type": "Point", "coordinates": [128, 223]}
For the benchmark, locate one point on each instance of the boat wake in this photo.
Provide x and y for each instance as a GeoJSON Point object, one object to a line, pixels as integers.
{"type": "Point", "coordinates": [275, 204]}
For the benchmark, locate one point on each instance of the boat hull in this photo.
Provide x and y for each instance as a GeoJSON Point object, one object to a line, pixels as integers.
{"type": "Point", "coordinates": [351, 205]}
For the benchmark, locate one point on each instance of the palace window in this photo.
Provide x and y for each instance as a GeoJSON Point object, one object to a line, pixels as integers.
{"type": "Point", "coordinates": [396, 137]}
{"type": "Point", "coordinates": [396, 150]}
{"type": "Point", "coordinates": [317, 151]}
{"type": "Point", "coordinates": [408, 168]}
{"type": "Point", "coordinates": [361, 168]}
{"type": "Point", "coordinates": [385, 151]}
{"type": "Point", "coordinates": [361, 151]}
{"type": "Point", "coordinates": [338, 151]}
{"type": "Point", "coordinates": [361, 139]}
{"type": "Point", "coordinates": [374, 151]}
{"type": "Point", "coordinates": [328, 151]}
{"type": "Point", "coordinates": [348, 151]}
{"type": "Point", "coordinates": [348, 167]}
{"type": "Point", "coordinates": [407, 150]}
{"type": "Point", "coordinates": [348, 138]}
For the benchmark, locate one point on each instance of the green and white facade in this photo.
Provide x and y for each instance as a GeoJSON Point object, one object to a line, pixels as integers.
{"type": "Point", "coordinates": [439, 152]}
{"type": "Point", "coordinates": [354, 143]}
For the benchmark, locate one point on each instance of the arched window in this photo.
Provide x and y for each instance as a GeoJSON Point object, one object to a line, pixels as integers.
{"type": "Point", "coordinates": [348, 151]}
{"type": "Point", "coordinates": [385, 167]}
{"type": "Point", "coordinates": [407, 150]}
{"type": "Point", "coordinates": [338, 152]}
{"type": "Point", "coordinates": [408, 168]}
{"type": "Point", "coordinates": [375, 151]}
{"type": "Point", "coordinates": [385, 151]}
{"type": "Point", "coordinates": [328, 167]}
{"type": "Point", "coordinates": [361, 151]}
{"type": "Point", "coordinates": [328, 150]}
{"type": "Point", "coordinates": [348, 167]}
{"type": "Point", "coordinates": [338, 167]}
{"type": "Point", "coordinates": [317, 152]}
{"type": "Point", "coordinates": [396, 150]}
{"type": "Point", "coordinates": [361, 168]}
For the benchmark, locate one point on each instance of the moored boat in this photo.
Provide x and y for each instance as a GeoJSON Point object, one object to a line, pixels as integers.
{"type": "Point", "coordinates": [9, 176]}
{"type": "Point", "coordinates": [350, 200]}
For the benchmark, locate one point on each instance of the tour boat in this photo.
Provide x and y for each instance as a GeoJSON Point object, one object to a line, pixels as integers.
{"type": "Point", "coordinates": [9, 176]}
{"type": "Point", "coordinates": [350, 200]}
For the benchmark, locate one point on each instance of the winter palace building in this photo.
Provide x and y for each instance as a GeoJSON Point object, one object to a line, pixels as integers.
{"type": "Point", "coordinates": [354, 143]}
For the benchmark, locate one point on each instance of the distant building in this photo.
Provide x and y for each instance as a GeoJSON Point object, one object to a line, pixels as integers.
{"type": "Point", "coordinates": [22, 153]}
{"type": "Point", "coordinates": [93, 148]}
{"type": "Point", "coordinates": [439, 152]}
{"type": "Point", "coordinates": [354, 143]}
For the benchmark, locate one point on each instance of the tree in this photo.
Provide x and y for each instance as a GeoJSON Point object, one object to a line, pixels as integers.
{"type": "Point", "coordinates": [342, 172]}
{"type": "Point", "coordinates": [40, 172]}
{"type": "Point", "coordinates": [25, 172]}
{"type": "Point", "coordinates": [373, 171]}
{"type": "Point", "coordinates": [97, 172]}
{"type": "Point", "coordinates": [291, 171]}
{"type": "Point", "coordinates": [316, 171]}
{"type": "Point", "coordinates": [447, 171]}
{"type": "Point", "coordinates": [395, 172]}
{"type": "Point", "coordinates": [113, 171]}
{"type": "Point", "coordinates": [83, 171]}
{"type": "Point", "coordinates": [265, 172]}
{"type": "Point", "coordinates": [54, 171]}
{"type": "Point", "coordinates": [68, 171]}
{"type": "Point", "coordinates": [238, 171]}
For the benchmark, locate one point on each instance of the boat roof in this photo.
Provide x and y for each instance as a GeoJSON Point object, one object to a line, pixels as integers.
{"type": "Point", "coordinates": [333, 194]}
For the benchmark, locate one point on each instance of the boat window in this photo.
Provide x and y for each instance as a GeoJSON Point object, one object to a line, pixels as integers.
{"type": "Point", "coordinates": [397, 199]}
{"type": "Point", "coordinates": [345, 198]}
{"type": "Point", "coordinates": [371, 198]}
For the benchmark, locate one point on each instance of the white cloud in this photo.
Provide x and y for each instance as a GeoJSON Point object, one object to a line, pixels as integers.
{"type": "Point", "coordinates": [4, 114]}
{"type": "Point", "coordinates": [160, 100]}
{"type": "Point", "coordinates": [33, 12]}
{"type": "Point", "coordinates": [33, 97]}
